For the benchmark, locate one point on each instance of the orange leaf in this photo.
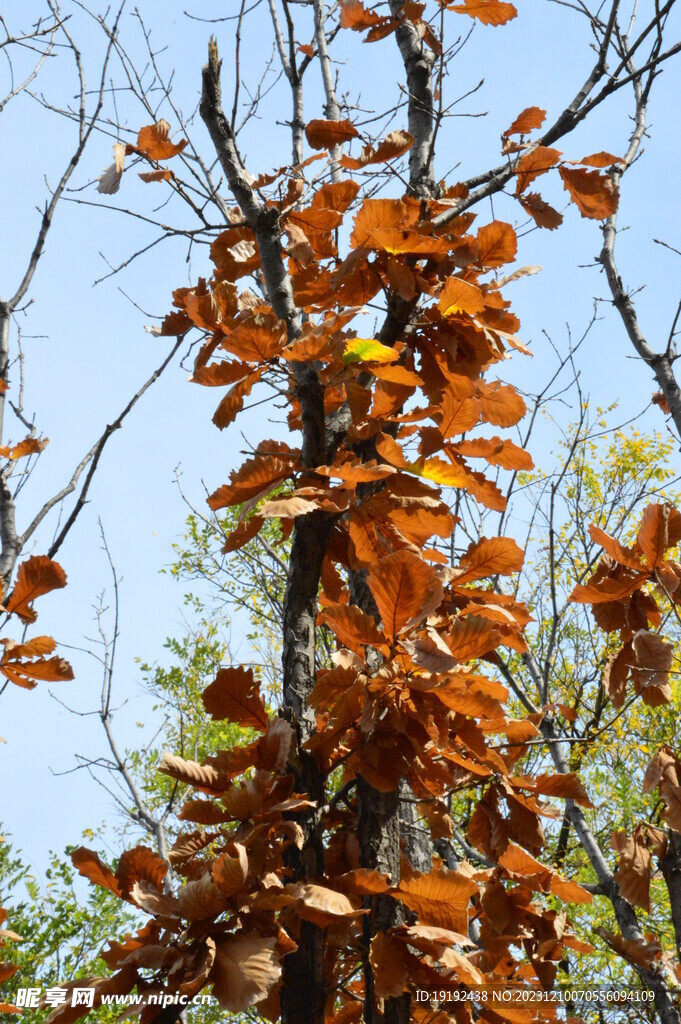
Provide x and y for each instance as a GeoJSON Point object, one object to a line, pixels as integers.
{"type": "Point", "coordinates": [625, 556]}
{"type": "Point", "coordinates": [235, 695]}
{"type": "Point", "coordinates": [519, 862]}
{"type": "Point", "coordinates": [497, 244]}
{"type": "Point", "coordinates": [541, 212]}
{"type": "Point", "coordinates": [245, 532]}
{"type": "Point", "coordinates": [608, 589]}
{"type": "Point", "coordinates": [29, 446]}
{"type": "Point", "coordinates": [489, 12]}
{"type": "Point", "coordinates": [395, 144]}
{"type": "Point", "coordinates": [380, 213]}
{"type": "Point", "coordinates": [352, 627]}
{"type": "Point", "coordinates": [140, 865]}
{"type": "Point", "coordinates": [533, 164]}
{"type": "Point", "coordinates": [163, 174]}
{"type": "Point", "coordinates": [600, 160]}
{"type": "Point", "coordinates": [439, 898]}
{"type": "Point", "coordinates": [233, 402]}
{"type": "Point", "coordinates": [529, 119]}
{"type": "Point", "coordinates": [660, 530]}
{"type": "Point", "coordinates": [38, 575]}
{"type": "Point", "coordinates": [256, 476]}
{"type": "Point", "coordinates": [387, 959]}
{"type": "Point", "coordinates": [322, 134]}
{"type": "Point", "coordinates": [90, 866]}
{"type": "Point", "coordinates": [459, 296]}
{"type": "Point", "coordinates": [24, 673]}
{"type": "Point", "coordinates": [215, 375]}
{"type": "Point", "coordinates": [405, 589]}
{"type": "Point", "coordinates": [500, 404]}
{"type": "Point", "coordinates": [569, 786]}
{"type": "Point", "coordinates": [497, 452]}
{"type": "Point", "coordinates": [595, 195]}
{"type": "Point", "coordinates": [335, 195]}
{"type": "Point", "coordinates": [489, 557]}
{"type": "Point", "coordinates": [354, 15]}
{"type": "Point", "coordinates": [153, 141]}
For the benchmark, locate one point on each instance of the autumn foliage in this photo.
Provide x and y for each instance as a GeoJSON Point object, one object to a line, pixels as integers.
{"type": "Point", "coordinates": [293, 868]}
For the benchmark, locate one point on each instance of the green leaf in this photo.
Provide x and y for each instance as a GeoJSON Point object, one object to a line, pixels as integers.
{"type": "Point", "coordinates": [368, 350]}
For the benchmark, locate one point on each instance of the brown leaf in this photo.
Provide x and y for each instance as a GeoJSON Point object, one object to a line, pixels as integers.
{"type": "Point", "coordinates": [660, 530]}
{"type": "Point", "coordinates": [321, 134]}
{"type": "Point", "coordinates": [246, 968]}
{"type": "Point", "coordinates": [25, 673]}
{"type": "Point", "coordinates": [90, 866]}
{"type": "Point", "coordinates": [202, 777]}
{"type": "Point", "coordinates": [616, 674]}
{"type": "Point", "coordinates": [633, 872]}
{"type": "Point", "coordinates": [395, 144]}
{"type": "Point", "coordinates": [7, 970]}
{"type": "Point", "coordinates": [200, 899]}
{"type": "Point", "coordinates": [625, 556]}
{"type": "Point", "coordinates": [352, 627]}
{"type": "Point", "coordinates": [595, 195]}
{"type": "Point", "coordinates": [140, 865]}
{"type": "Point", "coordinates": [489, 12]}
{"type": "Point", "coordinates": [153, 141]}
{"type": "Point", "coordinates": [529, 119]}
{"type": "Point", "coordinates": [235, 695]}
{"type": "Point", "coordinates": [497, 244]}
{"type": "Point", "coordinates": [541, 212]}
{"type": "Point", "coordinates": [459, 296]}
{"type": "Point", "coordinates": [256, 476]}
{"type": "Point", "coordinates": [118, 984]}
{"type": "Point", "coordinates": [533, 164]}
{"type": "Point", "coordinates": [163, 174]}
{"type": "Point", "coordinates": [637, 951]}
{"type": "Point", "coordinates": [606, 590]}
{"type": "Point", "coordinates": [387, 959]}
{"type": "Point", "coordinates": [439, 898]}
{"type": "Point", "coordinates": [233, 402]}
{"type": "Point", "coordinates": [230, 870]}
{"type": "Point", "coordinates": [406, 590]}
{"type": "Point", "coordinates": [38, 575]}
{"type": "Point", "coordinates": [489, 557]}
{"type": "Point", "coordinates": [568, 786]}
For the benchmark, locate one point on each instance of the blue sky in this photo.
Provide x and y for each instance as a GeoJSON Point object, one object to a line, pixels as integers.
{"type": "Point", "coordinates": [91, 350]}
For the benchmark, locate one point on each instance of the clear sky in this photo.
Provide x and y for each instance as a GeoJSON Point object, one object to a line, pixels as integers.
{"type": "Point", "coordinates": [90, 351]}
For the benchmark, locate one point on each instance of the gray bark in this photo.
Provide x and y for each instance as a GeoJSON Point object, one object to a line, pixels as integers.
{"type": "Point", "coordinates": [418, 62]}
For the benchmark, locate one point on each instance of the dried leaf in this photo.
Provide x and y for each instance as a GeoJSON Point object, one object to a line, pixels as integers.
{"type": "Point", "coordinates": [321, 134]}
{"type": "Point", "coordinates": [234, 694]}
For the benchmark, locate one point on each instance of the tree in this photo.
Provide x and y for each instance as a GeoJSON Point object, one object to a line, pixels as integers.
{"type": "Point", "coordinates": [316, 895]}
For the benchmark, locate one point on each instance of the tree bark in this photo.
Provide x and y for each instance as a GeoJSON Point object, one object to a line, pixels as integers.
{"type": "Point", "coordinates": [303, 990]}
{"type": "Point", "coordinates": [671, 871]}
